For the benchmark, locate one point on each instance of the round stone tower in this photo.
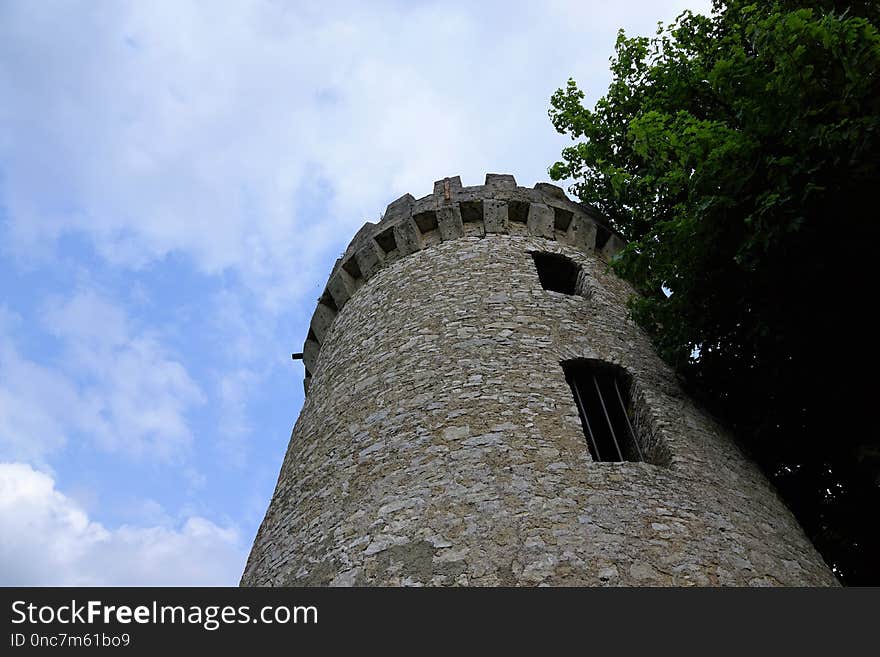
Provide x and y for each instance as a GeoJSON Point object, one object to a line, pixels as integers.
{"type": "Point", "coordinates": [481, 411]}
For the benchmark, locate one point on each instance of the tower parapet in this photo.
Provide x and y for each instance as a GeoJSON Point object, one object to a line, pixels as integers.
{"type": "Point", "coordinates": [409, 225]}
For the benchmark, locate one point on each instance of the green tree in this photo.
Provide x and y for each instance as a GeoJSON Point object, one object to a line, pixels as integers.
{"type": "Point", "coordinates": [739, 154]}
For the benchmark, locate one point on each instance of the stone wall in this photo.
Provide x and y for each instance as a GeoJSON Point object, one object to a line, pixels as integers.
{"type": "Point", "coordinates": [439, 443]}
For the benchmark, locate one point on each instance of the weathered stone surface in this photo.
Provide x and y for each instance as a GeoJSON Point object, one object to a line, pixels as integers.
{"type": "Point", "coordinates": [495, 216]}
{"type": "Point", "coordinates": [409, 239]}
{"type": "Point", "coordinates": [369, 259]}
{"type": "Point", "coordinates": [447, 188]}
{"type": "Point", "coordinates": [582, 233]}
{"type": "Point", "coordinates": [321, 320]}
{"type": "Point", "coordinates": [439, 443]}
{"type": "Point", "coordinates": [551, 190]}
{"type": "Point", "coordinates": [340, 286]}
{"type": "Point", "coordinates": [541, 221]}
{"type": "Point", "coordinates": [450, 222]}
{"type": "Point", "coordinates": [612, 246]}
{"type": "Point", "coordinates": [399, 209]}
{"type": "Point", "coordinates": [310, 354]}
{"type": "Point", "coordinates": [500, 181]}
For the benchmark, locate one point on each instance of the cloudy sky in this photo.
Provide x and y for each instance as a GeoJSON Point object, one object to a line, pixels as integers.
{"type": "Point", "coordinates": [176, 180]}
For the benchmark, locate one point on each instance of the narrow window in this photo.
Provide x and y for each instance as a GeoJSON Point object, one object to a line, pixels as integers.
{"type": "Point", "coordinates": [556, 272]}
{"type": "Point", "coordinates": [602, 394]}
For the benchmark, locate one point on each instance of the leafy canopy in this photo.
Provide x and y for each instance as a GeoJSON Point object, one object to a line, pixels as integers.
{"type": "Point", "coordinates": [739, 153]}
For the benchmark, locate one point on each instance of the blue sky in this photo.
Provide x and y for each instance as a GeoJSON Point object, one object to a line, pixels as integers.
{"type": "Point", "coordinates": [176, 180]}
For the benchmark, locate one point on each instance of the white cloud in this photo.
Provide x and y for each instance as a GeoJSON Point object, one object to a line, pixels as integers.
{"type": "Point", "coordinates": [115, 385]}
{"type": "Point", "coordinates": [141, 394]}
{"type": "Point", "coordinates": [155, 127]}
{"type": "Point", "coordinates": [48, 539]}
{"type": "Point", "coordinates": [37, 407]}
{"type": "Point", "coordinates": [233, 391]}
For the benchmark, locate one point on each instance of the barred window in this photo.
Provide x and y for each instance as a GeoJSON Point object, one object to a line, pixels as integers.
{"type": "Point", "coordinates": [602, 394]}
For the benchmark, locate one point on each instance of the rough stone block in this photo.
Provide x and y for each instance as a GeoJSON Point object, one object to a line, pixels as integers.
{"type": "Point", "coordinates": [340, 286]}
{"type": "Point", "coordinates": [399, 209]}
{"type": "Point", "coordinates": [614, 245]}
{"type": "Point", "coordinates": [449, 222]}
{"type": "Point", "coordinates": [310, 354]}
{"type": "Point", "coordinates": [369, 259]}
{"type": "Point", "coordinates": [409, 239]}
{"type": "Point", "coordinates": [541, 221]}
{"type": "Point", "coordinates": [553, 191]}
{"type": "Point", "coordinates": [321, 320]}
{"type": "Point", "coordinates": [500, 181]}
{"type": "Point", "coordinates": [495, 216]}
{"type": "Point", "coordinates": [582, 232]}
{"type": "Point", "coordinates": [446, 188]}
{"type": "Point", "coordinates": [360, 237]}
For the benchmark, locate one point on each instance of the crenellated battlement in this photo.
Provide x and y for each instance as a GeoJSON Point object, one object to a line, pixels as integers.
{"type": "Point", "coordinates": [452, 211]}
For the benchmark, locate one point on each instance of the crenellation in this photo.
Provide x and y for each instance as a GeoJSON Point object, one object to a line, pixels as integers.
{"type": "Point", "coordinates": [370, 259]}
{"type": "Point", "coordinates": [445, 188]}
{"type": "Point", "coordinates": [582, 233]}
{"type": "Point", "coordinates": [310, 354]}
{"type": "Point", "coordinates": [553, 191]}
{"type": "Point", "coordinates": [408, 237]}
{"type": "Point", "coordinates": [321, 321]}
{"type": "Point", "coordinates": [613, 245]}
{"type": "Point", "coordinates": [450, 222]}
{"type": "Point", "coordinates": [495, 217]}
{"type": "Point", "coordinates": [340, 286]}
{"type": "Point", "coordinates": [541, 221]}
{"type": "Point", "coordinates": [500, 181]}
{"type": "Point", "coordinates": [399, 209]}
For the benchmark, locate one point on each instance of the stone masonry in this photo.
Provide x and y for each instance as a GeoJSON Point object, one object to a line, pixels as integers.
{"type": "Point", "coordinates": [439, 443]}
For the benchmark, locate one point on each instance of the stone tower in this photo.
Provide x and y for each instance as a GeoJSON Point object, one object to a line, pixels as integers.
{"type": "Point", "coordinates": [480, 411]}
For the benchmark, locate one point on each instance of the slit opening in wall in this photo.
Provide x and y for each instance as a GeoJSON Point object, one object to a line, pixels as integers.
{"type": "Point", "coordinates": [327, 300]}
{"type": "Point", "coordinates": [562, 219]}
{"type": "Point", "coordinates": [603, 395]}
{"type": "Point", "coordinates": [556, 272]}
{"type": "Point", "coordinates": [518, 211]}
{"type": "Point", "coordinates": [471, 211]}
{"type": "Point", "coordinates": [351, 266]}
{"type": "Point", "coordinates": [386, 240]}
{"type": "Point", "coordinates": [426, 221]}
{"type": "Point", "coordinates": [602, 236]}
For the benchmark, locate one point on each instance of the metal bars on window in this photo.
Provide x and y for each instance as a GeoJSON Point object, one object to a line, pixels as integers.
{"type": "Point", "coordinates": [602, 395]}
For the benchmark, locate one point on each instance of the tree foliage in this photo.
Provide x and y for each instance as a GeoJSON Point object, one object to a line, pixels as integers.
{"type": "Point", "coordinates": [739, 153]}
